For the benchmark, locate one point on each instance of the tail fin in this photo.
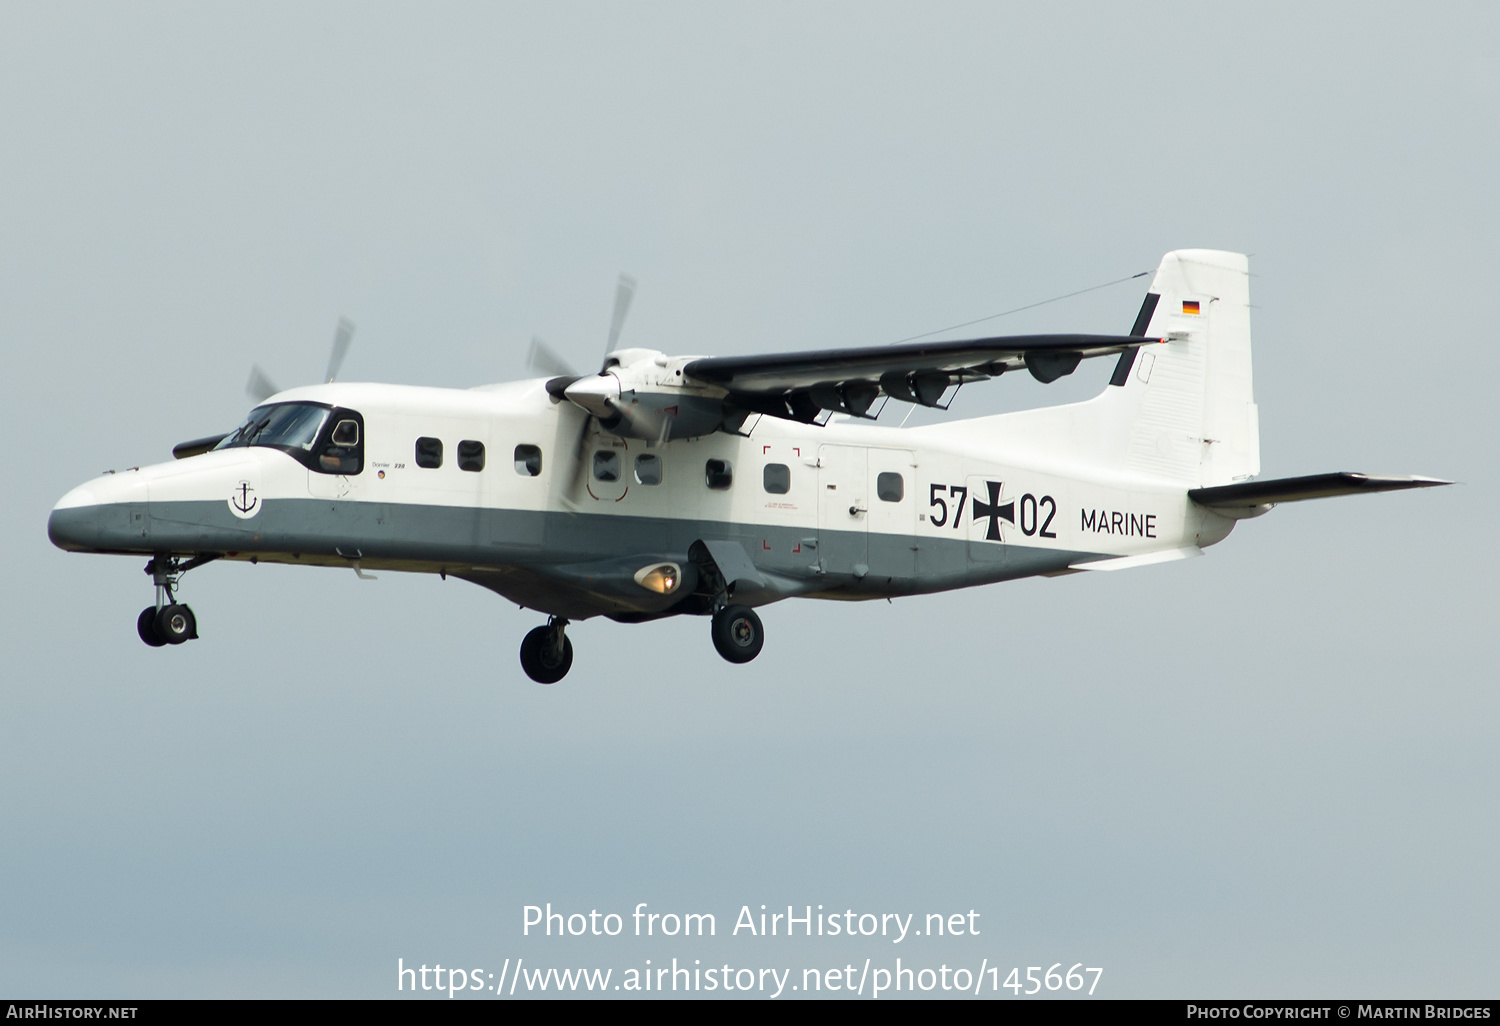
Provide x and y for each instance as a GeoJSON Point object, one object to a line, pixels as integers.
{"type": "Point", "coordinates": [1188, 406]}
{"type": "Point", "coordinates": [1183, 410]}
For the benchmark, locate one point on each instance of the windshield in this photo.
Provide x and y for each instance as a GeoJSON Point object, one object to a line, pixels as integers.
{"type": "Point", "coordinates": [283, 425]}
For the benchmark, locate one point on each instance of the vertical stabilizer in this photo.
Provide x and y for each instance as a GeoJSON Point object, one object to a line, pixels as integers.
{"type": "Point", "coordinates": [1189, 405]}
{"type": "Point", "coordinates": [1180, 411]}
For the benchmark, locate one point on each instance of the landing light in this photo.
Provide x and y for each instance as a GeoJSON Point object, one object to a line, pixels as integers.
{"type": "Point", "coordinates": [663, 578]}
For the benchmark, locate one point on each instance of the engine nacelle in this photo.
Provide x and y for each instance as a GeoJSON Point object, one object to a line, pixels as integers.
{"type": "Point", "coordinates": [640, 395]}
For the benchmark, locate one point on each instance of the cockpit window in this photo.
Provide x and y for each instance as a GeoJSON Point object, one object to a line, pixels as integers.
{"type": "Point", "coordinates": [346, 432]}
{"type": "Point", "coordinates": [323, 439]}
{"type": "Point", "coordinates": [282, 426]}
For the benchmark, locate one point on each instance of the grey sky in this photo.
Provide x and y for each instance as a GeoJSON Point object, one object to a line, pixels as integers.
{"type": "Point", "coordinates": [1267, 772]}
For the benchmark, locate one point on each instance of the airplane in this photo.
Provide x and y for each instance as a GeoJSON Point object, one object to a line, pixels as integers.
{"type": "Point", "coordinates": [712, 486]}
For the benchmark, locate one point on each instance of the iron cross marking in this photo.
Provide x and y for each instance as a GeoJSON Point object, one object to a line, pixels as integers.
{"type": "Point", "coordinates": [994, 511]}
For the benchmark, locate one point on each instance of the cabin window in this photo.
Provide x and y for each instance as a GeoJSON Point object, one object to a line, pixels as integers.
{"type": "Point", "coordinates": [890, 487]}
{"type": "Point", "coordinates": [777, 478]}
{"type": "Point", "coordinates": [718, 474]}
{"type": "Point", "coordinates": [471, 455]}
{"type": "Point", "coordinates": [430, 453]}
{"type": "Point", "coordinates": [648, 469]}
{"type": "Point", "coordinates": [606, 465]}
{"type": "Point", "coordinates": [528, 461]}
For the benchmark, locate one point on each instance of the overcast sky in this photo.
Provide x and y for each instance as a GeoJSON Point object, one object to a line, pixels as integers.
{"type": "Point", "coordinates": [1270, 772]}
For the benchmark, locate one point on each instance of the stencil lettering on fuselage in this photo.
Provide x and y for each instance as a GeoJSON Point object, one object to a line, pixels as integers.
{"type": "Point", "coordinates": [1118, 522]}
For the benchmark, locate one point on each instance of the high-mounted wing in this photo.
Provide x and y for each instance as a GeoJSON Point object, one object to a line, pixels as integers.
{"type": "Point", "coordinates": [799, 386]}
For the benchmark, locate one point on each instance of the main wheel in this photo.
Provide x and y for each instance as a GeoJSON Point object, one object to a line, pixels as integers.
{"type": "Point", "coordinates": [176, 624]}
{"type": "Point", "coordinates": [738, 634]}
{"type": "Point", "coordinates": [541, 662]}
{"type": "Point", "coordinates": [145, 626]}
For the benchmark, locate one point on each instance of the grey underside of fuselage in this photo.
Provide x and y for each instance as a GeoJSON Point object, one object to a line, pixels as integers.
{"type": "Point", "coordinates": [566, 564]}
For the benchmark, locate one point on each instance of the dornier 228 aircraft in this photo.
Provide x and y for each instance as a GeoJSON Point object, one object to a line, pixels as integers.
{"type": "Point", "coordinates": [667, 485]}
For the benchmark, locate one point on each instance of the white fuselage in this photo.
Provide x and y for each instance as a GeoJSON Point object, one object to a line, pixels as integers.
{"type": "Point", "coordinates": [844, 510]}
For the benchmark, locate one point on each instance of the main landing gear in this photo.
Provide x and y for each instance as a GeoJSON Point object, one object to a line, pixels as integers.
{"type": "Point", "coordinates": [169, 622]}
{"type": "Point", "coordinates": [737, 633]}
{"type": "Point", "coordinates": [546, 652]}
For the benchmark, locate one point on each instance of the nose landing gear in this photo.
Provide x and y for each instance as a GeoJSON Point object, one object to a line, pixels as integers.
{"type": "Point", "coordinates": [546, 652]}
{"type": "Point", "coordinates": [169, 622]}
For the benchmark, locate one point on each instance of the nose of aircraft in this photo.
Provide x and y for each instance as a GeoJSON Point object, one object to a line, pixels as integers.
{"type": "Point", "coordinates": [105, 515]}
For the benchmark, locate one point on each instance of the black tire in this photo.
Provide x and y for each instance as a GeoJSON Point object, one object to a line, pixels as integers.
{"type": "Point", "coordinates": [534, 653]}
{"type": "Point", "coordinates": [145, 626]}
{"type": "Point", "coordinates": [176, 624]}
{"type": "Point", "coordinates": [738, 634]}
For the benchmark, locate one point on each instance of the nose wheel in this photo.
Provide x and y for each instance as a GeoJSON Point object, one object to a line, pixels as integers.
{"type": "Point", "coordinates": [169, 622]}
{"type": "Point", "coordinates": [546, 652]}
{"type": "Point", "coordinates": [170, 625]}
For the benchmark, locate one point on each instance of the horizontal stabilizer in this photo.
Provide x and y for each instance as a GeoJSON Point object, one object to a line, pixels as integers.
{"type": "Point", "coordinates": [1251, 494]}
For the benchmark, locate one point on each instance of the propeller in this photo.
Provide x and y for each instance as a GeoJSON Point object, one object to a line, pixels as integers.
{"type": "Point", "coordinates": [543, 359]}
{"type": "Point", "coordinates": [260, 387]}
{"type": "Point", "coordinates": [624, 293]}
{"type": "Point", "coordinates": [342, 336]}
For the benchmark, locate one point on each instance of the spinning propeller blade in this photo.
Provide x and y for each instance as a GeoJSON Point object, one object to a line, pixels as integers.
{"type": "Point", "coordinates": [342, 336]}
{"type": "Point", "coordinates": [259, 387]}
{"type": "Point", "coordinates": [624, 293]}
{"type": "Point", "coordinates": [543, 359]}
{"type": "Point", "coordinates": [580, 462]}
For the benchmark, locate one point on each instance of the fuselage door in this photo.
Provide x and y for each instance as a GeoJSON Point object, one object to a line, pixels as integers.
{"type": "Point", "coordinates": [843, 510]}
{"type": "Point", "coordinates": [337, 458]}
{"type": "Point", "coordinates": [892, 519]}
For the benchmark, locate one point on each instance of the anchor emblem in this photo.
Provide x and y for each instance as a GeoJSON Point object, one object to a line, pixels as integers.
{"type": "Point", "coordinates": [243, 501]}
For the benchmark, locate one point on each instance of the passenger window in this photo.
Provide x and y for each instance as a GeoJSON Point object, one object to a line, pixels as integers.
{"type": "Point", "coordinates": [471, 455]}
{"type": "Point", "coordinates": [528, 461]}
{"type": "Point", "coordinates": [648, 469]}
{"type": "Point", "coordinates": [430, 453]}
{"type": "Point", "coordinates": [890, 487]}
{"type": "Point", "coordinates": [346, 433]}
{"type": "Point", "coordinates": [719, 474]}
{"type": "Point", "coordinates": [606, 465]}
{"type": "Point", "coordinates": [777, 478]}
